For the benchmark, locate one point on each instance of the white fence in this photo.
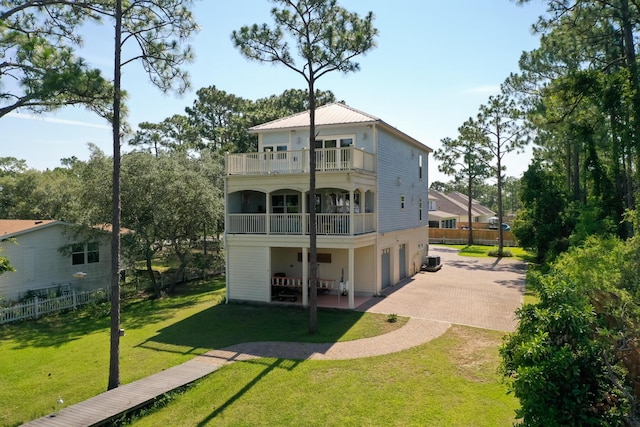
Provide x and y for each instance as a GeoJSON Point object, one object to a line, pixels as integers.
{"type": "Point", "coordinates": [39, 306]}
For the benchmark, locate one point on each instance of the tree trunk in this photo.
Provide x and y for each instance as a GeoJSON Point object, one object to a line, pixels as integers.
{"type": "Point", "coordinates": [499, 184]}
{"type": "Point", "coordinates": [313, 248]}
{"type": "Point", "coordinates": [469, 204]}
{"type": "Point", "coordinates": [152, 275]}
{"type": "Point", "coordinates": [114, 353]}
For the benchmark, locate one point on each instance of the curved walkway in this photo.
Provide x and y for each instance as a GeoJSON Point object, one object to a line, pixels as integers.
{"type": "Point", "coordinates": [414, 333]}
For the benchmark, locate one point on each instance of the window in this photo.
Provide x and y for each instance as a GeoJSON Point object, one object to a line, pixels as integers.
{"type": "Point", "coordinates": [420, 209]}
{"type": "Point", "coordinates": [420, 166]}
{"type": "Point", "coordinates": [432, 205]}
{"type": "Point", "coordinates": [93, 252]}
{"type": "Point", "coordinates": [402, 202]}
{"type": "Point", "coordinates": [285, 203]}
{"type": "Point", "coordinates": [449, 223]}
{"type": "Point", "coordinates": [82, 253]}
{"type": "Point", "coordinates": [77, 253]}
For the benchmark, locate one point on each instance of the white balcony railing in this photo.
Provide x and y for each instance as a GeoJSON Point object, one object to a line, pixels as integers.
{"type": "Point", "coordinates": [275, 162]}
{"type": "Point", "coordinates": [298, 224]}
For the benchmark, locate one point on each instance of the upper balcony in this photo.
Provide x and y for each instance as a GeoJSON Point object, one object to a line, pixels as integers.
{"type": "Point", "coordinates": [343, 159]}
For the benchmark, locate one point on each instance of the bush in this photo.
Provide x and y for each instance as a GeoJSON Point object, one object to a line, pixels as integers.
{"type": "Point", "coordinates": [496, 253]}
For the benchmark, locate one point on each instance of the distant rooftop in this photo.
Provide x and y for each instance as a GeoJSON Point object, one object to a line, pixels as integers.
{"type": "Point", "coordinates": [14, 226]}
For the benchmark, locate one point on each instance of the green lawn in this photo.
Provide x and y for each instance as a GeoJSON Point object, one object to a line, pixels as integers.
{"type": "Point", "coordinates": [450, 381]}
{"type": "Point", "coordinates": [483, 251]}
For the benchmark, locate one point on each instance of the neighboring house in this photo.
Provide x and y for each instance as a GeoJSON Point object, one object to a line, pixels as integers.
{"type": "Point", "coordinates": [33, 249]}
{"type": "Point", "coordinates": [448, 210]}
{"type": "Point", "coordinates": [371, 206]}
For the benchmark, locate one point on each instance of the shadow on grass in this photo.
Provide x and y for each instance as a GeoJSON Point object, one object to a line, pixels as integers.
{"type": "Point", "coordinates": [268, 368]}
{"type": "Point", "coordinates": [226, 324]}
{"type": "Point", "coordinates": [57, 329]}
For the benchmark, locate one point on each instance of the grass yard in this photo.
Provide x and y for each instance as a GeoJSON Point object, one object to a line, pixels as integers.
{"type": "Point", "coordinates": [451, 381]}
{"type": "Point", "coordinates": [483, 251]}
{"type": "Point", "coordinates": [67, 355]}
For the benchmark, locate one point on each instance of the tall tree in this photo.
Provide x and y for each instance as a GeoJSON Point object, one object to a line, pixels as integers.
{"type": "Point", "coordinates": [160, 29]}
{"type": "Point", "coordinates": [38, 69]}
{"type": "Point", "coordinates": [581, 85]}
{"type": "Point", "coordinates": [467, 158]}
{"type": "Point", "coordinates": [501, 122]}
{"type": "Point", "coordinates": [327, 38]}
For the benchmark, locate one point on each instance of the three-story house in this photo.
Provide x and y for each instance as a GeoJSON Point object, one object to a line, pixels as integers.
{"type": "Point", "coordinates": [371, 207]}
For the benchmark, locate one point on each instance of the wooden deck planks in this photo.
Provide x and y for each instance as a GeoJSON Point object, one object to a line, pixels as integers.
{"type": "Point", "coordinates": [110, 404]}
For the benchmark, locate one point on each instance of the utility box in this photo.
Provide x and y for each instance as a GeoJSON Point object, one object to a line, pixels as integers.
{"type": "Point", "coordinates": [432, 263]}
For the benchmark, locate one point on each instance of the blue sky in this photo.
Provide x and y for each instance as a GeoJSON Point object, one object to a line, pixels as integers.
{"type": "Point", "coordinates": [436, 62]}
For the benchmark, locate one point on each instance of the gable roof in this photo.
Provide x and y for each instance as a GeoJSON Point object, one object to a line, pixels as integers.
{"type": "Point", "coordinates": [332, 114]}
{"type": "Point", "coordinates": [455, 204]}
{"type": "Point", "coordinates": [13, 227]}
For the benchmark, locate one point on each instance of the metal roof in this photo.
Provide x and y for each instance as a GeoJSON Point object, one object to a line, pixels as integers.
{"type": "Point", "coordinates": [333, 114]}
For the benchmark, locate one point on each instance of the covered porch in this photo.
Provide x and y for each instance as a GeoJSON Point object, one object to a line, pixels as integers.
{"type": "Point", "coordinates": [286, 212]}
{"type": "Point", "coordinates": [345, 277]}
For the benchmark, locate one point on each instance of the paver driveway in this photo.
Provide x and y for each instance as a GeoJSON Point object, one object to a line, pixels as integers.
{"type": "Point", "coordinates": [480, 292]}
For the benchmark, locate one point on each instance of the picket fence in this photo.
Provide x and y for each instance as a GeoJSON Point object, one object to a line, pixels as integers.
{"type": "Point", "coordinates": [39, 306]}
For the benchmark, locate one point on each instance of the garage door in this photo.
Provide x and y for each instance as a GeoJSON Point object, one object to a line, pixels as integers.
{"type": "Point", "coordinates": [403, 261]}
{"type": "Point", "coordinates": [248, 273]}
{"type": "Point", "coordinates": [386, 267]}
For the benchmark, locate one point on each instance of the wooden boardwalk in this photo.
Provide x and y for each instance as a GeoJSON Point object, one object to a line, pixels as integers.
{"type": "Point", "coordinates": [113, 403]}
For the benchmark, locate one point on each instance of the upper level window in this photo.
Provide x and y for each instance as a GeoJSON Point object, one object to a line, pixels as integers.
{"type": "Point", "coordinates": [285, 203]}
{"type": "Point", "coordinates": [432, 205]}
{"type": "Point", "coordinates": [334, 141]}
{"type": "Point", "coordinates": [420, 209]}
{"type": "Point", "coordinates": [402, 201]}
{"type": "Point", "coordinates": [420, 166]}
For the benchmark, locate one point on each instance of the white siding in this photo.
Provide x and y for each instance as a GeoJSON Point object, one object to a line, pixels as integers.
{"type": "Point", "coordinates": [39, 264]}
{"type": "Point", "coordinates": [300, 139]}
{"type": "Point", "coordinates": [249, 275]}
{"type": "Point", "coordinates": [398, 174]}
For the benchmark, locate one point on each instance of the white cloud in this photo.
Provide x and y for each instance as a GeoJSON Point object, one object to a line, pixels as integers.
{"type": "Point", "coordinates": [47, 119]}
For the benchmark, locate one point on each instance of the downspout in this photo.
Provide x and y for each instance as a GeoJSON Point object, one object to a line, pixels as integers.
{"type": "Point", "coordinates": [224, 236]}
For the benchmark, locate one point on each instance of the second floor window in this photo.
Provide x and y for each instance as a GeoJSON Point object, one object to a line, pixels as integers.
{"type": "Point", "coordinates": [285, 203]}
{"type": "Point", "coordinates": [402, 202]}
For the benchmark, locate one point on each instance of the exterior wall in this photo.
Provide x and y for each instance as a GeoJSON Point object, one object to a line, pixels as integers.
{"type": "Point", "coordinates": [398, 174]}
{"type": "Point", "coordinates": [248, 273]}
{"type": "Point", "coordinates": [416, 241]}
{"type": "Point", "coordinates": [365, 270]}
{"type": "Point", "coordinates": [39, 264]}
{"type": "Point", "coordinates": [300, 139]}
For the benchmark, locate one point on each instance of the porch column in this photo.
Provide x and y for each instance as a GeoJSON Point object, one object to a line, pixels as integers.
{"type": "Point", "coordinates": [351, 209]}
{"type": "Point", "coordinates": [267, 214]}
{"type": "Point", "coordinates": [351, 278]}
{"type": "Point", "coordinates": [305, 277]}
{"type": "Point", "coordinates": [305, 217]}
